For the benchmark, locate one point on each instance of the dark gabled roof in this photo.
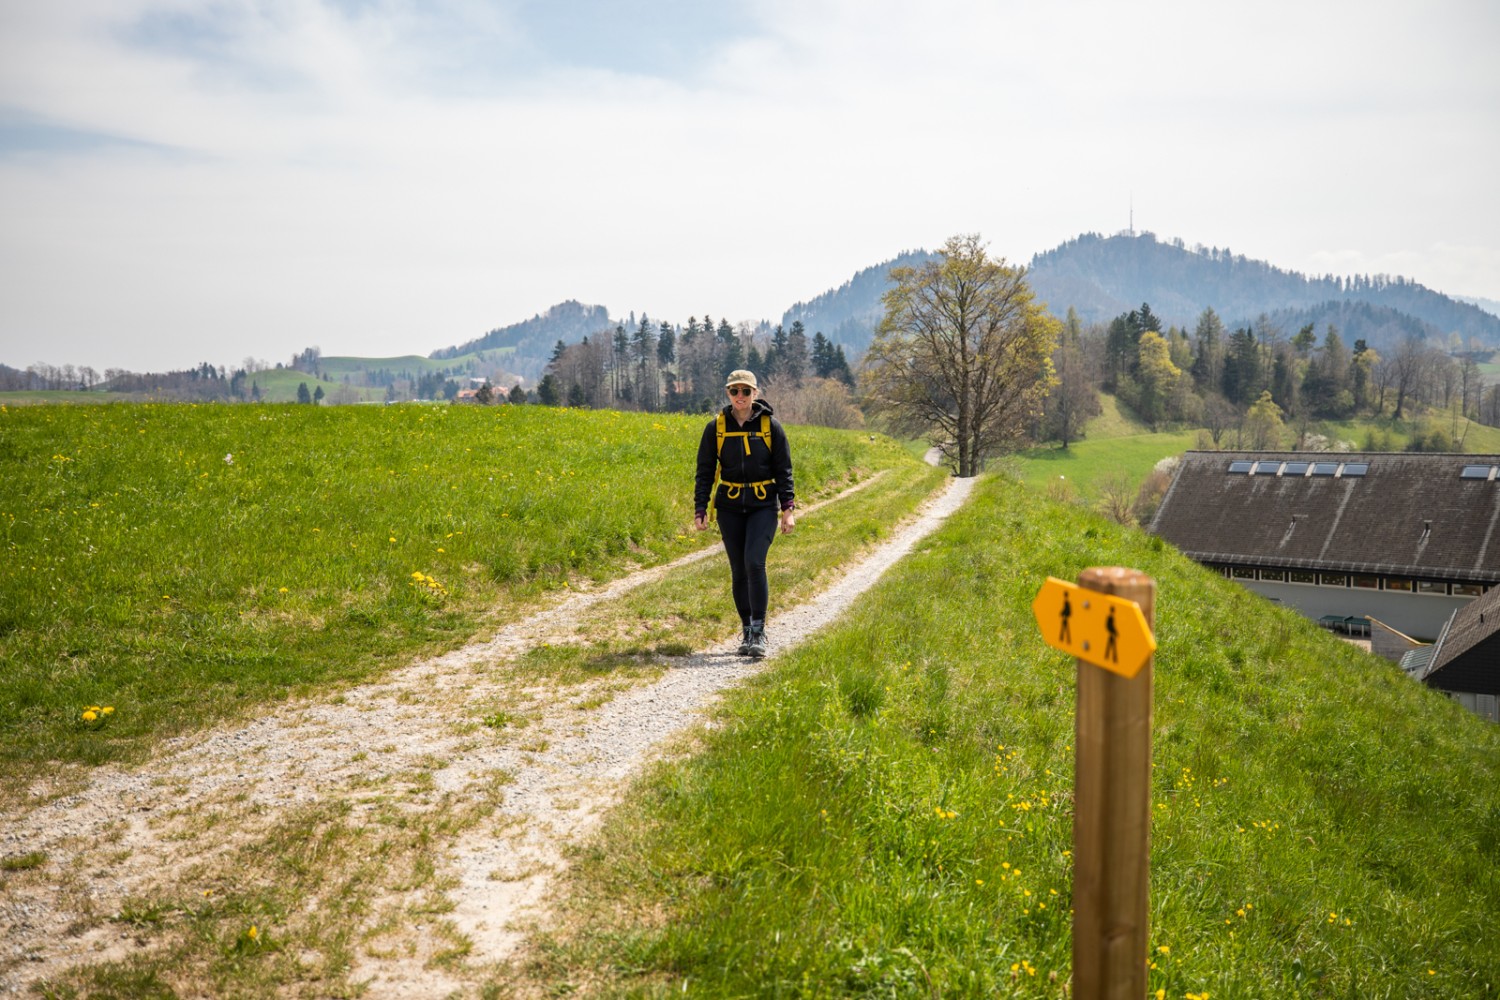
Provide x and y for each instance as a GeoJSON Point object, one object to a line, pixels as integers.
{"type": "Point", "coordinates": [1406, 515]}
{"type": "Point", "coordinates": [1467, 654]}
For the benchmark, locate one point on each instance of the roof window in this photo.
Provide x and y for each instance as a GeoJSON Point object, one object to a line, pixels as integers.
{"type": "Point", "coordinates": [1295, 469]}
{"type": "Point", "coordinates": [1325, 468]}
{"type": "Point", "coordinates": [1241, 466]}
{"type": "Point", "coordinates": [1266, 468]}
{"type": "Point", "coordinates": [1477, 472]}
{"type": "Point", "coordinates": [1356, 468]}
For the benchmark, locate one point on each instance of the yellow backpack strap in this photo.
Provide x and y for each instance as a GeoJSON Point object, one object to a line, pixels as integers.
{"type": "Point", "coordinates": [713, 494]}
{"type": "Point", "coordinates": [765, 431]}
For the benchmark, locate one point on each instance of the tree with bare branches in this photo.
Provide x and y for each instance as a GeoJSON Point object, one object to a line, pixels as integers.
{"type": "Point", "coordinates": [963, 353]}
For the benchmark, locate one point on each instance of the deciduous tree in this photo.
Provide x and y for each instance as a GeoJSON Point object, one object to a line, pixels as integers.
{"type": "Point", "coordinates": [963, 353]}
{"type": "Point", "coordinates": [1075, 398]}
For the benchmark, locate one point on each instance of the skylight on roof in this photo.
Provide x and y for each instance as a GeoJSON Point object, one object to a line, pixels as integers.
{"type": "Point", "coordinates": [1356, 468]}
{"type": "Point", "coordinates": [1240, 466]}
{"type": "Point", "coordinates": [1325, 468]}
{"type": "Point", "coordinates": [1266, 468]}
{"type": "Point", "coordinates": [1475, 472]}
{"type": "Point", "coordinates": [1295, 469]}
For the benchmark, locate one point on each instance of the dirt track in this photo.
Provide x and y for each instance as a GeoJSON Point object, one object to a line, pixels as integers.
{"type": "Point", "coordinates": [125, 827]}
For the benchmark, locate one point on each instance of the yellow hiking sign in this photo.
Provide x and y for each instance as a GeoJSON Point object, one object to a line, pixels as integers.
{"type": "Point", "coordinates": [1107, 631]}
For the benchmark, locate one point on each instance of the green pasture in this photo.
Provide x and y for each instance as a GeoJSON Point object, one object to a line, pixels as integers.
{"type": "Point", "coordinates": [1088, 466]}
{"type": "Point", "coordinates": [30, 397]}
{"type": "Point", "coordinates": [340, 365]}
{"type": "Point", "coordinates": [183, 563]}
{"type": "Point", "coordinates": [887, 812]}
{"type": "Point", "coordinates": [279, 385]}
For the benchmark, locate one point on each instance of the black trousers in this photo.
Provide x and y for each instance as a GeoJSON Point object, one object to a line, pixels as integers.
{"type": "Point", "coordinates": [747, 538]}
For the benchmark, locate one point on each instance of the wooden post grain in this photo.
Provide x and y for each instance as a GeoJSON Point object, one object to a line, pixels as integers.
{"type": "Point", "coordinates": [1112, 812]}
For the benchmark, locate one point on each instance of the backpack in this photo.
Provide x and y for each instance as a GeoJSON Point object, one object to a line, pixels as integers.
{"type": "Point", "coordinates": [721, 431]}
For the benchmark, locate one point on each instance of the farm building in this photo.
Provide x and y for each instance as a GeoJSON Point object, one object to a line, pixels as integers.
{"type": "Point", "coordinates": [1405, 538]}
{"type": "Point", "coordinates": [1465, 661]}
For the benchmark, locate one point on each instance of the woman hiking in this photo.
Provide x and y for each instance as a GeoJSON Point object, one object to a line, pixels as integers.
{"type": "Point", "coordinates": [748, 447]}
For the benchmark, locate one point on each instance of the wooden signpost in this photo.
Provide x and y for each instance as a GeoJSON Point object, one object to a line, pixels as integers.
{"type": "Point", "coordinates": [1106, 621]}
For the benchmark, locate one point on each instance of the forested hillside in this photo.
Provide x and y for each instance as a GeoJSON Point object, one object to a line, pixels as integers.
{"type": "Point", "coordinates": [848, 314]}
{"type": "Point", "coordinates": [1102, 277]}
{"type": "Point", "coordinates": [533, 339]}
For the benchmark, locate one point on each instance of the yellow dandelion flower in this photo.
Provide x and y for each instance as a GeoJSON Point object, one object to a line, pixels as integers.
{"type": "Point", "coordinates": [253, 933]}
{"type": "Point", "coordinates": [1164, 949]}
{"type": "Point", "coordinates": [107, 710]}
{"type": "Point", "coordinates": [89, 716]}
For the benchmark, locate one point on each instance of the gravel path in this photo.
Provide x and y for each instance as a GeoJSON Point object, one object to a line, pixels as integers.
{"type": "Point", "coordinates": [124, 829]}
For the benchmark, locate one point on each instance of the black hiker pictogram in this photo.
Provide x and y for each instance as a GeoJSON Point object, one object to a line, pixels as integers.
{"type": "Point", "coordinates": [1111, 652]}
{"type": "Point", "coordinates": [1066, 635]}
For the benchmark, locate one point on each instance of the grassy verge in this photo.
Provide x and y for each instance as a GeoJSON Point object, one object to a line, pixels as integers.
{"type": "Point", "coordinates": [181, 564]}
{"type": "Point", "coordinates": [887, 813]}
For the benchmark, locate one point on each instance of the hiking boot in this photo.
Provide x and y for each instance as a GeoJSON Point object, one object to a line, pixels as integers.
{"type": "Point", "coordinates": [744, 649]}
{"type": "Point", "coordinates": [757, 645]}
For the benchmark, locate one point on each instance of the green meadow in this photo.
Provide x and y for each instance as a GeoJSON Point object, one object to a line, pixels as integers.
{"type": "Point", "coordinates": [180, 564]}
{"type": "Point", "coordinates": [887, 813]}
{"type": "Point", "coordinates": [1088, 466]}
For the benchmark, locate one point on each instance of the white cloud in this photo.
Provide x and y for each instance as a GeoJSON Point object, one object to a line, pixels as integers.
{"type": "Point", "coordinates": [390, 177]}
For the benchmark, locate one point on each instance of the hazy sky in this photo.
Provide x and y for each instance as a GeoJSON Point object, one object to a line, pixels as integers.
{"type": "Point", "coordinates": [187, 181]}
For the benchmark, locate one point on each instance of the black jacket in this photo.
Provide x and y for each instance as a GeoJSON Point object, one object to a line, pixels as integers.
{"type": "Point", "coordinates": [737, 467]}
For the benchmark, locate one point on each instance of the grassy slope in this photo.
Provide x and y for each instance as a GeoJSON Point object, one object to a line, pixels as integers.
{"type": "Point", "coordinates": [886, 813]}
{"type": "Point", "coordinates": [1115, 445]}
{"type": "Point", "coordinates": [144, 572]}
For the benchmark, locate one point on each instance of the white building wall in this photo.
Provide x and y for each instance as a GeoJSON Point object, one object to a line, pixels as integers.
{"type": "Point", "coordinates": [1420, 616]}
{"type": "Point", "coordinates": [1486, 706]}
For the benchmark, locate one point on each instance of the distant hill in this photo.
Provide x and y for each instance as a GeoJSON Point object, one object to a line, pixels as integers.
{"type": "Point", "coordinates": [1101, 277]}
{"type": "Point", "coordinates": [1490, 306]}
{"type": "Point", "coordinates": [531, 341]}
{"type": "Point", "coordinates": [849, 314]}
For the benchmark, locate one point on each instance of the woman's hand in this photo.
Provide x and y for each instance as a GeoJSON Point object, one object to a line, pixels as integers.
{"type": "Point", "coordinates": [788, 522]}
{"type": "Point", "coordinates": [700, 521]}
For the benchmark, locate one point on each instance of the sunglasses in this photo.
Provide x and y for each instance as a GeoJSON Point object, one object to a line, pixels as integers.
{"type": "Point", "coordinates": [741, 390]}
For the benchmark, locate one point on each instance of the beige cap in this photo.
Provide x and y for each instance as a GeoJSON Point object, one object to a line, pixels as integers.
{"type": "Point", "coordinates": [741, 377]}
